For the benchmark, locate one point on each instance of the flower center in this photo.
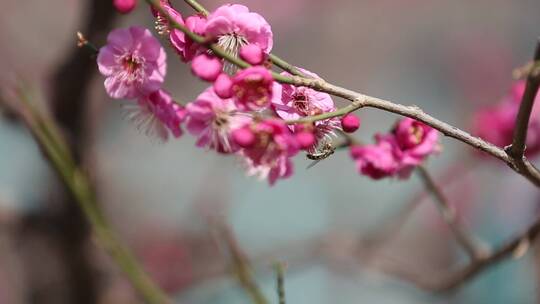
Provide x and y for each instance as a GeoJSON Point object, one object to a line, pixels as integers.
{"type": "Point", "coordinates": [303, 106]}
{"type": "Point", "coordinates": [131, 64]}
{"type": "Point", "coordinates": [162, 25]}
{"type": "Point", "coordinates": [231, 43]}
{"type": "Point", "coordinates": [417, 133]}
{"type": "Point", "coordinates": [252, 91]}
{"type": "Point", "coordinates": [221, 120]}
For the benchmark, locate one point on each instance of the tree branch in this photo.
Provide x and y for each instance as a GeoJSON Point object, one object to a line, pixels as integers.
{"type": "Point", "coordinates": [474, 249]}
{"type": "Point", "coordinates": [242, 267]}
{"type": "Point", "coordinates": [517, 149]}
{"type": "Point", "coordinates": [56, 151]}
{"type": "Point", "coordinates": [280, 285]}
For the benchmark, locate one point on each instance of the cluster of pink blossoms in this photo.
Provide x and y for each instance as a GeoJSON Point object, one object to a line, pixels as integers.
{"type": "Point", "coordinates": [134, 64]}
{"type": "Point", "coordinates": [243, 112]}
{"type": "Point", "coordinates": [397, 153]}
{"type": "Point", "coordinates": [496, 123]}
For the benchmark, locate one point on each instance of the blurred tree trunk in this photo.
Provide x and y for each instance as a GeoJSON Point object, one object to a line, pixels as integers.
{"type": "Point", "coordinates": [55, 240]}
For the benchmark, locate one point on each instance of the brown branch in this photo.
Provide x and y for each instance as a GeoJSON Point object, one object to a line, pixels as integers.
{"type": "Point", "coordinates": [474, 249]}
{"type": "Point", "coordinates": [517, 149]}
{"type": "Point", "coordinates": [242, 267]}
{"type": "Point", "coordinates": [76, 181]}
{"type": "Point", "coordinates": [280, 282]}
{"type": "Point", "coordinates": [516, 247]}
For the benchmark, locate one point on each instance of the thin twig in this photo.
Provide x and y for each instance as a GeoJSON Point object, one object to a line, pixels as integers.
{"type": "Point", "coordinates": [474, 249]}
{"type": "Point", "coordinates": [516, 247]}
{"type": "Point", "coordinates": [55, 150]}
{"type": "Point", "coordinates": [197, 7]}
{"type": "Point", "coordinates": [287, 67]}
{"type": "Point", "coordinates": [280, 285]}
{"type": "Point", "coordinates": [524, 114]}
{"type": "Point", "coordinates": [242, 268]}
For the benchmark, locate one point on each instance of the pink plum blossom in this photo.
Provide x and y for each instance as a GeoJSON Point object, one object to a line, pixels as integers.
{"type": "Point", "coordinates": [269, 157]}
{"type": "Point", "coordinates": [207, 67]}
{"type": "Point", "coordinates": [212, 119]}
{"type": "Point", "coordinates": [496, 123]}
{"type": "Point", "coordinates": [415, 141]}
{"type": "Point", "coordinates": [235, 26]}
{"type": "Point", "coordinates": [253, 88]}
{"type": "Point", "coordinates": [133, 62]}
{"type": "Point", "coordinates": [298, 102]}
{"type": "Point", "coordinates": [376, 161]}
{"type": "Point", "coordinates": [158, 114]}
{"type": "Point", "coordinates": [398, 152]}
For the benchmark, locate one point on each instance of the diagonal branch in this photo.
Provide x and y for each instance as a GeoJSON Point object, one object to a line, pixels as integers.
{"type": "Point", "coordinates": [242, 267]}
{"type": "Point", "coordinates": [474, 249]}
{"type": "Point", "coordinates": [55, 149]}
{"type": "Point", "coordinates": [524, 114]}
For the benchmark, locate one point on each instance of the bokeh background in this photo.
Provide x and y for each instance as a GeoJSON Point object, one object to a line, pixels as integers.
{"type": "Point", "coordinates": [448, 57]}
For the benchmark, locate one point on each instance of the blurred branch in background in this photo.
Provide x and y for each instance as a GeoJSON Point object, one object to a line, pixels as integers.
{"type": "Point", "coordinates": [280, 282]}
{"type": "Point", "coordinates": [474, 248]}
{"type": "Point", "coordinates": [76, 181]}
{"type": "Point", "coordinates": [59, 224]}
{"type": "Point", "coordinates": [242, 268]}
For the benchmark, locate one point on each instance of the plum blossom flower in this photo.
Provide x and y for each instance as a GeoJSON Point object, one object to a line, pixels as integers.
{"type": "Point", "coordinates": [269, 156]}
{"type": "Point", "coordinates": [253, 88]}
{"type": "Point", "coordinates": [134, 63]}
{"type": "Point", "coordinates": [298, 102]}
{"type": "Point", "coordinates": [398, 152]}
{"type": "Point", "coordinates": [415, 141]}
{"type": "Point", "coordinates": [496, 123]}
{"type": "Point", "coordinates": [235, 26]}
{"type": "Point", "coordinates": [376, 161]}
{"type": "Point", "coordinates": [212, 119]}
{"type": "Point", "coordinates": [158, 115]}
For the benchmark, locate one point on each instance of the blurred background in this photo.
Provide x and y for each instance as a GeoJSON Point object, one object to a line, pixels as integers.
{"type": "Point", "coordinates": [448, 57]}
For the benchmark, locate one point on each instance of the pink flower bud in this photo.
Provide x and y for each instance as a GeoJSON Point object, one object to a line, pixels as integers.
{"type": "Point", "coordinates": [253, 54]}
{"type": "Point", "coordinates": [244, 137]}
{"type": "Point", "coordinates": [305, 139]}
{"type": "Point", "coordinates": [350, 123]}
{"type": "Point", "coordinates": [206, 67]}
{"type": "Point", "coordinates": [124, 6]}
{"type": "Point", "coordinates": [223, 86]}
